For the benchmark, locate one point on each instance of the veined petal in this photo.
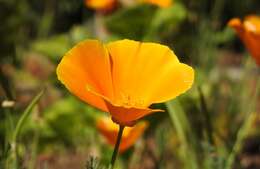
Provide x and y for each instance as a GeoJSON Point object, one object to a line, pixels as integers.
{"type": "Point", "coordinates": [147, 73]}
{"type": "Point", "coordinates": [85, 66]}
{"type": "Point", "coordinates": [124, 114]}
{"type": "Point", "coordinates": [123, 54]}
{"type": "Point", "coordinates": [174, 80]}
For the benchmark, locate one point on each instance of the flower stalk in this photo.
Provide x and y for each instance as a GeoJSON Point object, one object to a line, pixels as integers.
{"type": "Point", "coordinates": [119, 137]}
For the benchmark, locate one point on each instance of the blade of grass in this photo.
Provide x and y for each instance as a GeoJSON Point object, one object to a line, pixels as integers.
{"type": "Point", "coordinates": [25, 115]}
{"type": "Point", "coordinates": [184, 132]}
{"type": "Point", "coordinates": [206, 115]}
{"type": "Point", "coordinates": [19, 126]}
{"type": "Point", "coordinates": [242, 133]}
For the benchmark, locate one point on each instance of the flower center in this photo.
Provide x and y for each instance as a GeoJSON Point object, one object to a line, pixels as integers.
{"type": "Point", "coordinates": [130, 101]}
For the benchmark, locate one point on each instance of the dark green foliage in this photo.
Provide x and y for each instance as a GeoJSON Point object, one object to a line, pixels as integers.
{"type": "Point", "coordinates": [135, 26]}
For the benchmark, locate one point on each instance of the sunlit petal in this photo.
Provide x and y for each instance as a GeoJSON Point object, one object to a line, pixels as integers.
{"type": "Point", "coordinates": [87, 67]}
{"type": "Point", "coordinates": [146, 73]}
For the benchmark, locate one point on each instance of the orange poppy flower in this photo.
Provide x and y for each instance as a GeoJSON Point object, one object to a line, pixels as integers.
{"type": "Point", "coordinates": [101, 5]}
{"type": "Point", "coordinates": [109, 130]}
{"type": "Point", "coordinates": [124, 77]}
{"type": "Point", "coordinates": [160, 3]}
{"type": "Point", "coordinates": [249, 33]}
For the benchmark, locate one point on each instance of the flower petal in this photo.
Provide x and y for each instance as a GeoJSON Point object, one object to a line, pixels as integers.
{"type": "Point", "coordinates": [133, 135]}
{"type": "Point", "coordinates": [127, 116]}
{"type": "Point", "coordinates": [123, 54]}
{"type": "Point", "coordinates": [252, 43]}
{"type": "Point", "coordinates": [87, 66]}
{"type": "Point", "coordinates": [249, 33]}
{"type": "Point", "coordinates": [104, 126]}
{"type": "Point", "coordinates": [174, 80]}
{"type": "Point", "coordinates": [252, 24]}
{"type": "Point", "coordinates": [124, 115]}
{"type": "Point", "coordinates": [146, 73]}
{"type": "Point", "coordinates": [109, 130]}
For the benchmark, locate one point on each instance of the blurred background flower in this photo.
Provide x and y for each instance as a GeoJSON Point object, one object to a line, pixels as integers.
{"type": "Point", "coordinates": [101, 5]}
{"type": "Point", "coordinates": [109, 130]}
{"type": "Point", "coordinates": [160, 3]}
{"type": "Point", "coordinates": [249, 32]}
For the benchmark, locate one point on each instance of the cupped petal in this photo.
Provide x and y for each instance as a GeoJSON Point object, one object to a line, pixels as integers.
{"type": "Point", "coordinates": [174, 80]}
{"type": "Point", "coordinates": [123, 54]}
{"type": "Point", "coordinates": [147, 73]}
{"type": "Point", "coordinates": [133, 135]}
{"type": "Point", "coordinates": [128, 116]}
{"type": "Point", "coordinates": [108, 129]}
{"type": "Point", "coordinates": [124, 114]}
{"type": "Point", "coordinates": [87, 66]}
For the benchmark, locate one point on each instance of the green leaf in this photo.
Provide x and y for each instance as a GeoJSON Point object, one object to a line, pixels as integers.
{"type": "Point", "coordinates": [54, 47]}
{"type": "Point", "coordinates": [165, 20]}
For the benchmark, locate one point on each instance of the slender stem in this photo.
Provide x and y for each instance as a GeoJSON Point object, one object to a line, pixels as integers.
{"type": "Point", "coordinates": [243, 131]}
{"type": "Point", "coordinates": [119, 136]}
{"type": "Point", "coordinates": [205, 111]}
{"type": "Point", "coordinates": [19, 126]}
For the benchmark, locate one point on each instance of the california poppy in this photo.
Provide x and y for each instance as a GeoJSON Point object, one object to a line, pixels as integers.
{"type": "Point", "coordinates": [249, 33]}
{"type": "Point", "coordinates": [101, 5]}
{"type": "Point", "coordinates": [124, 77]}
{"type": "Point", "coordinates": [109, 130]}
{"type": "Point", "coordinates": [160, 3]}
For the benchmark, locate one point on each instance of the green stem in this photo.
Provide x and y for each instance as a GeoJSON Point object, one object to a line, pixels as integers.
{"type": "Point", "coordinates": [119, 136]}
{"type": "Point", "coordinates": [19, 126]}
{"type": "Point", "coordinates": [241, 134]}
{"type": "Point", "coordinates": [204, 109]}
{"type": "Point", "coordinates": [243, 131]}
{"type": "Point", "coordinates": [25, 115]}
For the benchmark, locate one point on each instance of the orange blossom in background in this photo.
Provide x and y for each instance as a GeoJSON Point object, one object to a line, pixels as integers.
{"type": "Point", "coordinates": [160, 3]}
{"type": "Point", "coordinates": [109, 130]}
{"type": "Point", "coordinates": [101, 5]}
{"type": "Point", "coordinates": [249, 32]}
